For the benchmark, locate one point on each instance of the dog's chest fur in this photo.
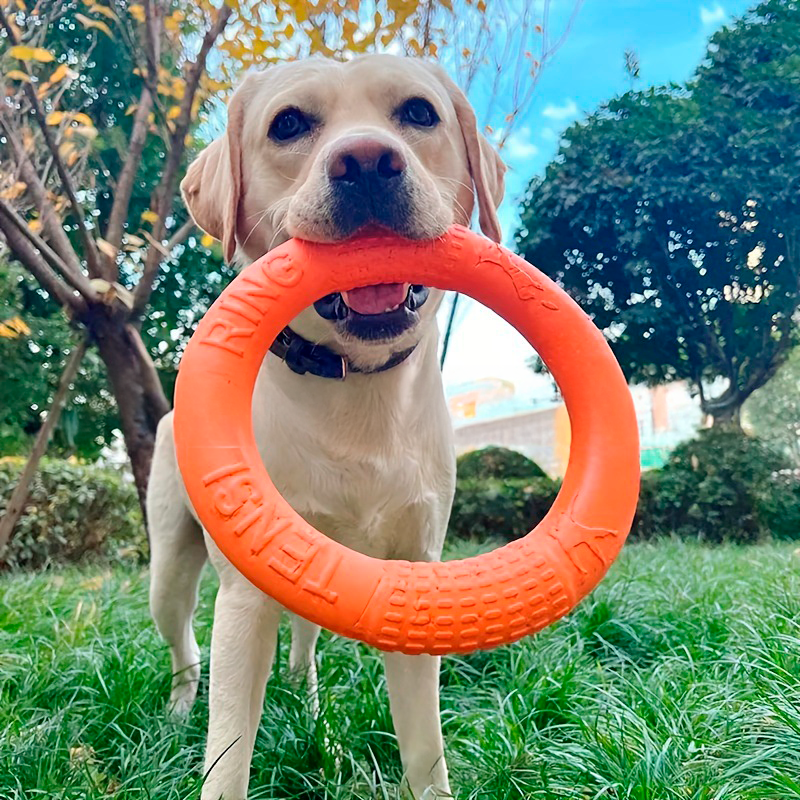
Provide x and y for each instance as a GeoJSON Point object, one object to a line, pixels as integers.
{"type": "Point", "coordinates": [369, 461]}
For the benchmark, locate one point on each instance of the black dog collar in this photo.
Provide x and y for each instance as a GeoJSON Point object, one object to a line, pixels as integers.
{"type": "Point", "coordinates": [302, 356]}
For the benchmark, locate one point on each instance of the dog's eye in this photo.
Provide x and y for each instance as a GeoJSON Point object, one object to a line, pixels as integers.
{"type": "Point", "coordinates": [418, 111]}
{"type": "Point", "coordinates": [289, 124]}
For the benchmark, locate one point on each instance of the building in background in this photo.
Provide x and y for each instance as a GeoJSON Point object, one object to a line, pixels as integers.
{"type": "Point", "coordinates": [489, 412]}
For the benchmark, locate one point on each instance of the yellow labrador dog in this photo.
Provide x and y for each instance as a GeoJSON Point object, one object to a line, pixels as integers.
{"type": "Point", "coordinates": [349, 410]}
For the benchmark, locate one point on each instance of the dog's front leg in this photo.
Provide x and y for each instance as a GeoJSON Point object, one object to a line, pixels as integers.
{"type": "Point", "coordinates": [413, 683]}
{"type": "Point", "coordinates": [242, 652]}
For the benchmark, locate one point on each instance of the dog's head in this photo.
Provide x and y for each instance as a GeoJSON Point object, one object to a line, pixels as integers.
{"type": "Point", "coordinates": [322, 150]}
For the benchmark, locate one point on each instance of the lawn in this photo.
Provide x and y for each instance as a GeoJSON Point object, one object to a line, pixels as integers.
{"type": "Point", "coordinates": [678, 678]}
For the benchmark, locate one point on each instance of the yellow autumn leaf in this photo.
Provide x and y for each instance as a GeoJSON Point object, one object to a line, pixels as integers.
{"type": "Point", "coordinates": [137, 12]}
{"type": "Point", "coordinates": [18, 75]}
{"type": "Point", "coordinates": [87, 131]}
{"type": "Point", "coordinates": [174, 112]}
{"type": "Point", "coordinates": [94, 23]}
{"type": "Point", "coordinates": [54, 118]}
{"type": "Point", "coordinates": [131, 109]}
{"type": "Point", "coordinates": [150, 216]}
{"type": "Point", "coordinates": [349, 30]}
{"type": "Point", "coordinates": [35, 225]}
{"type": "Point", "coordinates": [106, 12]}
{"type": "Point", "coordinates": [106, 248]}
{"type": "Point", "coordinates": [135, 241]}
{"type": "Point", "coordinates": [24, 53]}
{"type": "Point", "coordinates": [11, 328]}
{"type": "Point", "coordinates": [172, 22]}
{"type": "Point", "coordinates": [206, 240]}
{"type": "Point", "coordinates": [14, 191]}
{"type": "Point", "coordinates": [66, 149]}
{"type": "Point", "coordinates": [214, 85]}
{"type": "Point", "coordinates": [59, 74]}
{"type": "Point", "coordinates": [82, 119]}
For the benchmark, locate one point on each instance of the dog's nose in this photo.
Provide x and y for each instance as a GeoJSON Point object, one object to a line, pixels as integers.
{"type": "Point", "coordinates": [358, 159]}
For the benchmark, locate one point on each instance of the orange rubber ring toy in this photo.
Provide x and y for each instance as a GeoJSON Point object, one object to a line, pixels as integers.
{"type": "Point", "coordinates": [450, 607]}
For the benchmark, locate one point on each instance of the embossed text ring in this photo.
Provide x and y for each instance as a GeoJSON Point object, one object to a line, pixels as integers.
{"type": "Point", "coordinates": [457, 606]}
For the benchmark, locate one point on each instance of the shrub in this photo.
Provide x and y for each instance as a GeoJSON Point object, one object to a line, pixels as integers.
{"type": "Point", "coordinates": [499, 493]}
{"type": "Point", "coordinates": [73, 510]}
{"type": "Point", "coordinates": [497, 463]}
{"type": "Point", "coordinates": [721, 486]}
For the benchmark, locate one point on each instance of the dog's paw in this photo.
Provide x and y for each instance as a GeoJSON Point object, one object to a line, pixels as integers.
{"type": "Point", "coordinates": [431, 792]}
{"type": "Point", "coordinates": [435, 793]}
{"type": "Point", "coordinates": [181, 700]}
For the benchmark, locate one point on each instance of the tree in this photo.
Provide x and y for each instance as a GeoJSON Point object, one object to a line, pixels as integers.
{"type": "Point", "coordinates": [35, 344]}
{"type": "Point", "coordinates": [101, 103]}
{"type": "Point", "coordinates": [671, 215]}
{"type": "Point", "coordinates": [105, 101]}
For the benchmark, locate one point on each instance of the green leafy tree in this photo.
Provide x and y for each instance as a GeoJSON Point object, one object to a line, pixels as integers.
{"type": "Point", "coordinates": [671, 215]}
{"type": "Point", "coordinates": [102, 103]}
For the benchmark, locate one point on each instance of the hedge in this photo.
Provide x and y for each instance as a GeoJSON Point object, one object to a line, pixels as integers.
{"type": "Point", "coordinates": [73, 511]}
{"type": "Point", "coordinates": [499, 493]}
{"type": "Point", "coordinates": [722, 486]}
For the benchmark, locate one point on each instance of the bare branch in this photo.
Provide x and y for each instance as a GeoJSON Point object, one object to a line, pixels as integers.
{"type": "Point", "coordinates": [153, 27]}
{"type": "Point", "coordinates": [16, 503]}
{"type": "Point", "coordinates": [164, 195]}
{"type": "Point", "coordinates": [34, 262]}
{"type": "Point", "coordinates": [125, 181]}
{"type": "Point", "coordinates": [151, 383]}
{"type": "Point", "coordinates": [76, 280]}
{"type": "Point", "coordinates": [36, 189]}
{"type": "Point", "coordinates": [66, 180]}
{"type": "Point", "coordinates": [180, 235]}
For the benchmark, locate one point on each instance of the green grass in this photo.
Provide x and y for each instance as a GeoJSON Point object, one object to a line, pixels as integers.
{"type": "Point", "coordinates": [678, 678]}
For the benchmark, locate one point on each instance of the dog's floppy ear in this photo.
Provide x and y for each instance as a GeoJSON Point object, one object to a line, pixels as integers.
{"type": "Point", "coordinates": [212, 187]}
{"type": "Point", "coordinates": [485, 165]}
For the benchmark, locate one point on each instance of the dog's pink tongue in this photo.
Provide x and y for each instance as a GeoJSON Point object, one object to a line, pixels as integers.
{"type": "Point", "coordinates": [375, 299]}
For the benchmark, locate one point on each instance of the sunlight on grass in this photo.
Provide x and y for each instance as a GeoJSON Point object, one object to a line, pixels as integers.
{"type": "Point", "coordinates": [678, 678]}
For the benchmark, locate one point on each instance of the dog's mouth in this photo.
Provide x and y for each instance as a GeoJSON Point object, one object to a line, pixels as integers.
{"type": "Point", "coordinates": [381, 311]}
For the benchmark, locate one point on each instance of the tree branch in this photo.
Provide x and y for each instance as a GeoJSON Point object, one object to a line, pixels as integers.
{"type": "Point", "coordinates": [124, 187]}
{"type": "Point", "coordinates": [36, 189]}
{"type": "Point", "coordinates": [151, 384]}
{"type": "Point", "coordinates": [153, 16]}
{"type": "Point", "coordinates": [165, 192]}
{"type": "Point", "coordinates": [78, 280]}
{"type": "Point", "coordinates": [33, 261]}
{"type": "Point", "coordinates": [179, 237]}
{"type": "Point", "coordinates": [66, 179]}
{"type": "Point", "coordinates": [16, 504]}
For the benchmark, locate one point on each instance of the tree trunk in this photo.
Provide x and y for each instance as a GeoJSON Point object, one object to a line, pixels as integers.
{"type": "Point", "coordinates": [728, 416]}
{"type": "Point", "coordinates": [139, 410]}
{"type": "Point", "coordinates": [16, 504]}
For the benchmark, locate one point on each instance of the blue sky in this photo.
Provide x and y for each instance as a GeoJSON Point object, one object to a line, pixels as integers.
{"type": "Point", "coordinates": [670, 39]}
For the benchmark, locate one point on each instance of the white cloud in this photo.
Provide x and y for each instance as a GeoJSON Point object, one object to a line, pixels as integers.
{"type": "Point", "coordinates": [519, 145]}
{"type": "Point", "coordinates": [712, 17]}
{"type": "Point", "coordinates": [549, 134]}
{"type": "Point", "coordinates": [568, 110]}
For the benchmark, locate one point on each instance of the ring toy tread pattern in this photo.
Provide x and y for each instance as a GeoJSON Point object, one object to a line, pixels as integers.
{"type": "Point", "coordinates": [457, 606]}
